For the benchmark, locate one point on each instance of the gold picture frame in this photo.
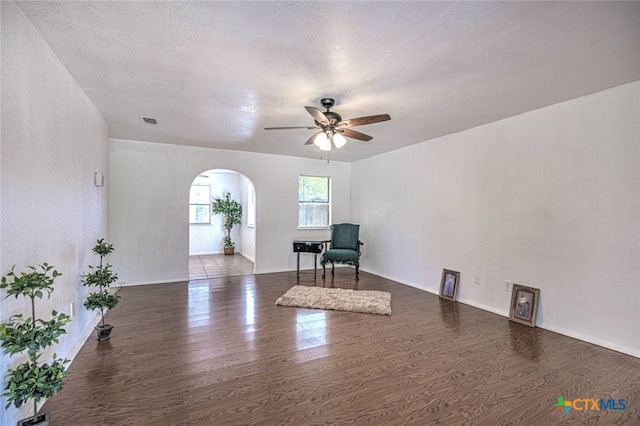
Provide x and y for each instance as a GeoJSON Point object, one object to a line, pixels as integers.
{"type": "Point", "coordinates": [449, 284]}
{"type": "Point", "coordinates": [524, 304]}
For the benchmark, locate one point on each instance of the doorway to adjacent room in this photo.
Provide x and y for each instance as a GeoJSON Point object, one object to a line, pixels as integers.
{"type": "Point", "coordinates": [206, 230]}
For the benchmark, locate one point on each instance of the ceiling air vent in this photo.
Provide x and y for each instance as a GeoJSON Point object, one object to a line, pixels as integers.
{"type": "Point", "coordinates": [148, 120]}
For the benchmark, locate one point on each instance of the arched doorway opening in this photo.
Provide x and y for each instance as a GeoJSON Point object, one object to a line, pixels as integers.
{"type": "Point", "coordinates": [206, 231]}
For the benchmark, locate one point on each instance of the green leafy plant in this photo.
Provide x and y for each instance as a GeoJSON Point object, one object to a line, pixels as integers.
{"type": "Point", "coordinates": [101, 277]}
{"type": "Point", "coordinates": [32, 380]}
{"type": "Point", "coordinates": [231, 212]}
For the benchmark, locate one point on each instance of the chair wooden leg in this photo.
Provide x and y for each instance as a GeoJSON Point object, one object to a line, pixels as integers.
{"type": "Point", "coordinates": [324, 271]}
{"type": "Point", "coordinates": [333, 269]}
{"type": "Point", "coordinates": [357, 271]}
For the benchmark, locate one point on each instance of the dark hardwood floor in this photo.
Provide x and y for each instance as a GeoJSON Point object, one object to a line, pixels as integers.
{"type": "Point", "coordinates": [220, 352]}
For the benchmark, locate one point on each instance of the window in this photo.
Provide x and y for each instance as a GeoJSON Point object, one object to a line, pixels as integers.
{"type": "Point", "coordinates": [200, 204]}
{"type": "Point", "coordinates": [314, 206]}
{"type": "Point", "coordinates": [251, 205]}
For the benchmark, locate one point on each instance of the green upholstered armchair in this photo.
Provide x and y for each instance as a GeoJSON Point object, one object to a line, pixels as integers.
{"type": "Point", "coordinates": [344, 247]}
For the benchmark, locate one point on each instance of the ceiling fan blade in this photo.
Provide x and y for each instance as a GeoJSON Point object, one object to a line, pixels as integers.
{"type": "Point", "coordinates": [318, 115]}
{"type": "Point", "coordinates": [360, 121]}
{"type": "Point", "coordinates": [310, 140]}
{"type": "Point", "coordinates": [294, 127]}
{"type": "Point", "coordinates": [355, 135]}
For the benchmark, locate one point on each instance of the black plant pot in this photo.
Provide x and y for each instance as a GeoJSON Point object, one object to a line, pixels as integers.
{"type": "Point", "coordinates": [104, 332]}
{"type": "Point", "coordinates": [43, 420]}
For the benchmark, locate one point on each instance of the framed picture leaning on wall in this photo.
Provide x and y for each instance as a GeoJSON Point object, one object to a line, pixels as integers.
{"type": "Point", "coordinates": [449, 284]}
{"type": "Point", "coordinates": [524, 304]}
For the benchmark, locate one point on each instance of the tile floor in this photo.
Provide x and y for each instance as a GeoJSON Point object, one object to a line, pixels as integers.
{"type": "Point", "coordinates": [218, 265]}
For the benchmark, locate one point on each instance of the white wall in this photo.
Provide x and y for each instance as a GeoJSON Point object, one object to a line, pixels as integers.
{"type": "Point", "coordinates": [549, 199]}
{"type": "Point", "coordinates": [53, 140]}
{"type": "Point", "coordinates": [209, 238]}
{"type": "Point", "coordinates": [149, 188]}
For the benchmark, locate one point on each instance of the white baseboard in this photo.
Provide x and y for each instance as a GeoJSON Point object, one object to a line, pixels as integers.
{"type": "Point", "coordinates": [484, 307]}
{"type": "Point", "coordinates": [174, 280]}
{"type": "Point", "coordinates": [75, 349]}
{"type": "Point", "coordinates": [410, 284]}
{"type": "Point", "coordinates": [545, 326]}
{"type": "Point", "coordinates": [589, 339]}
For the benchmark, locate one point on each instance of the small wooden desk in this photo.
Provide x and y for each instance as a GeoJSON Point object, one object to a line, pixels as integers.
{"type": "Point", "coordinates": [314, 247]}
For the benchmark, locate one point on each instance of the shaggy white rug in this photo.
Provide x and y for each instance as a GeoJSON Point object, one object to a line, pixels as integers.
{"type": "Point", "coordinates": [339, 299]}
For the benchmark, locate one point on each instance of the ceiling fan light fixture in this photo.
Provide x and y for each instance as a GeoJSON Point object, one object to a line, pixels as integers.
{"type": "Point", "coordinates": [322, 141]}
{"type": "Point", "coordinates": [331, 130]}
{"type": "Point", "coordinates": [339, 140]}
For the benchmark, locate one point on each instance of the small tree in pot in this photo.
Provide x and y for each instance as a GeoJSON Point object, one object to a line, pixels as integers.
{"type": "Point", "coordinates": [101, 277]}
{"type": "Point", "coordinates": [32, 380]}
{"type": "Point", "coordinates": [231, 212]}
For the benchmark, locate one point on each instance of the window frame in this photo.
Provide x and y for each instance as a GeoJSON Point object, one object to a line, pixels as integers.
{"type": "Point", "coordinates": [196, 202]}
{"type": "Point", "coordinates": [328, 203]}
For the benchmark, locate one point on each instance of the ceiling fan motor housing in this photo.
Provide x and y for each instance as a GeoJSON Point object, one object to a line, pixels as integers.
{"type": "Point", "coordinates": [333, 117]}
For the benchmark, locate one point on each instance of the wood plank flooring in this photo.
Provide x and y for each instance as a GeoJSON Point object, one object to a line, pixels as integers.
{"type": "Point", "coordinates": [220, 352]}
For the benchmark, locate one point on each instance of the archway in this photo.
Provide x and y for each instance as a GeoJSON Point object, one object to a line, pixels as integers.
{"type": "Point", "coordinates": [206, 232]}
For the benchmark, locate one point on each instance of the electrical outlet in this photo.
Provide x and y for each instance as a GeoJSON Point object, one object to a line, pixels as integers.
{"type": "Point", "coordinates": [477, 279]}
{"type": "Point", "coordinates": [508, 286]}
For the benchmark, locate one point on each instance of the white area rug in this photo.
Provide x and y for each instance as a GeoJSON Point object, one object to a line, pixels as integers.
{"type": "Point", "coordinates": [338, 299]}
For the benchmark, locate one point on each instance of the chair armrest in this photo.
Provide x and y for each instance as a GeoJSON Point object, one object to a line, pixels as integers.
{"type": "Point", "coordinates": [325, 244]}
{"type": "Point", "coordinates": [360, 243]}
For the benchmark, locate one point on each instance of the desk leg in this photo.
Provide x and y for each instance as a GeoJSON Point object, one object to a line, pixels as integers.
{"type": "Point", "coordinates": [315, 262]}
{"type": "Point", "coordinates": [298, 268]}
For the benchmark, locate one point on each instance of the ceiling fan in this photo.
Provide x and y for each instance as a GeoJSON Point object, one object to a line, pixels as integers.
{"type": "Point", "coordinates": [332, 129]}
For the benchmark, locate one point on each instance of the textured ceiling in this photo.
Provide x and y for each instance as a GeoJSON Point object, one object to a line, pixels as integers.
{"type": "Point", "coordinates": [214, 74]}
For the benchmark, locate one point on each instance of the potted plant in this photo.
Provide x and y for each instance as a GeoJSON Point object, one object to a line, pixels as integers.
{"type": "Point", "coordinates": [231, 212]}
{"type": "Point", "coordinates": [101, 277]}
{"type": "Point", "coordinates": [32, 380]}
